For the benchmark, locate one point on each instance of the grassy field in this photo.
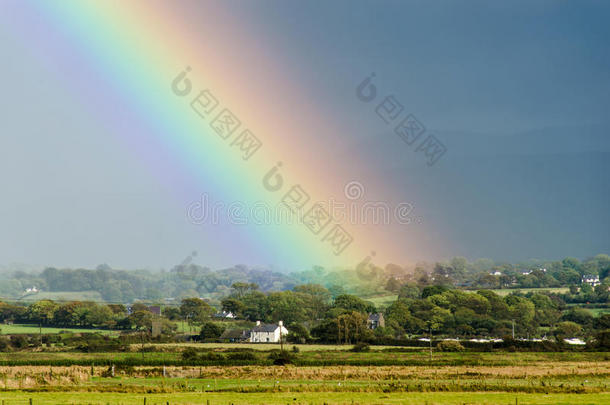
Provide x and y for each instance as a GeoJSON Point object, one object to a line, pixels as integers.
{"type": "Point", "coordinates": [64, 296]}
{"type": "Point", "coordinates": [282, 398]}
{"type": "Point", "coordinates": [383, 301]}
{"type": "Point", "coordinates": [183, 327]}
{"type": "Point", "coordinates": [160, 355]}
{"type": "Point", "coordinates": [386, 300]}
{"type": "Point", "coordinates": [505, 291]}
{"type": "Point", "coordinates": [320, 374]}
{"type": "Point", "coordinates": [599, 311]}
{"type": "Point", "coordinates": [262, 346]}
{"type": "Point", "coordinates": [549, 382]}
{"type": "Point", "coordinates": [18, 329]}
{"type": "Point", "coordinates": [451, 378]}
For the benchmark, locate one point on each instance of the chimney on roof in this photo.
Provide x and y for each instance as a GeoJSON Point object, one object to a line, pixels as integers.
{"type": "Point", "coordinates": [258, 323]}
{"type": "Point", "coordinates": [280, 323]}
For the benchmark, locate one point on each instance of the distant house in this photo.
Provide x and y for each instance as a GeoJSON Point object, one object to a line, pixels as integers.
{"type": "Point", "coordinates": [496, 273]}
{"type": "Point", "coordinates": [575, 341]}
{"type": "Point", "coordinates": [235, 335]}
{"type": "Point", "coordinates": [225, 315]}
{"type": "Point", "coordinates": [268, 333]}
{"type": "Point", "coordinates": [155, 309]}
{"type": "Point", "coordinates": [31, 290]}
{"type": "Point", "coordinates": [591, 279]}
{"type": "Point", "coordinates": [526, 272]}
{"type": "Point", "coordinates": [374, 321]}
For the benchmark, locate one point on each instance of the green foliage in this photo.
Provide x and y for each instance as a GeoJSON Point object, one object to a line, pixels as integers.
{"type": "Point", "coordinates": [211, 330]}
{"type": "Point", "coordinates": [4, 344]}
{"type": "Point", "coordinates": [567, 329]}
{"type": "Point", "coordinates": [195, 310]}
{"type": "Point", "coordinates": [602, 340]}
{"type": "Point", "coordinates": [298, 333]}
{"type": "Point", "coordinates": [361, 347]}
{"type": "Point", "coordinates": [19, 341]}
{"type": "Point", "coordinates": [449, 346]}
{"type": "Point", "coordinates": [433, 290]}
{"type": "Point", "coordinates": [351, 303]}
{"type": "Point", "coordinates": [409, 291]}
{"type": "Point", "coordinates": [190, 354]}
{"type": "Point", "coordinates": [281, 358]}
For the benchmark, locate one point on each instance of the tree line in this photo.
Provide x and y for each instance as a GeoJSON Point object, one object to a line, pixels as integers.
{"type": "Point", "coordinates": [192, 280]}
{"type": "Point", "coordinates": [312, 314]}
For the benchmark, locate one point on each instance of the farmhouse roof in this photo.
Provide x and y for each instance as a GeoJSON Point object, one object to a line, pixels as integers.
{"type": "Point", "coordinates": [265, 328]}
{"type": "Point", "coordinates": [375, 317]}
{"type": "Point", "coordinates": [234, 334]}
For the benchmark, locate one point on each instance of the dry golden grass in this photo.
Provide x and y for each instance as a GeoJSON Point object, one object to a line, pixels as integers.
{"type": "Point", "coordinates": [31, 376]}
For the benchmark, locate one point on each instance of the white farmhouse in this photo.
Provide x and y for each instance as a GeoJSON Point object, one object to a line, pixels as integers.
{"type": "Point", "coordinates": [268, 333]}
{"type": "Point", "coordinates": [591, 279]}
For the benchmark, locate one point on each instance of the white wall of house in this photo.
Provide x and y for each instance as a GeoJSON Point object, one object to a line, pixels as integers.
{"type": "Point", "coordinates": [268, 337]}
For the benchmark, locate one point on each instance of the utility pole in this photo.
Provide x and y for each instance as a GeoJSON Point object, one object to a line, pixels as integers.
{"type": "Point", "coordinates": [281, 324]}
{"type": "Point", "coordinates": [430, 339]}
{"type": "Point", "coordinates": [513, 329]}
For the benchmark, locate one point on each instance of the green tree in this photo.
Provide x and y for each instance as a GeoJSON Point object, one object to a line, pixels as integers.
{"type": "Point", "coordinates": [287, 306]}
{"type": "Point", "coordinates": [409, 290]}
{"type": "Point", "coordinates": [353, 303]}
{"type": "Point", "coordinates": [567, 329]}
{"type": "Point", "coordinates": [195, 310]}
{"type": "Point", "coordinates": [316, 298]}
{"type": "Point", "coordinates": [211, 330]}
{"type": "Point", "coordinates": [392, 285]}
{"type": "Point", "coordinates": [43, 311]}
{"type": "Point", "coordinates": [240, 289]}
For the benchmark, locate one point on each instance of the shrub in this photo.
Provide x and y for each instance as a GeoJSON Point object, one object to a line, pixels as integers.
{"type": "Point", "coordinates": [450, 346]}
{"type": "Point", "coordinates": [19, 341]}
{"type": "Point", "coordinates": [250, 356]}
{"type": "Point", "coordinates": [4, 344]}
{"type": "Point", "coordinates": [210, 330]}
{"type": "Point", "coordinates": [189, 354]}
{"type": "Point", "coordinates": [212, 356]}
{"type": "Point", "coordinates": [281, 358]}
{"type": "Point", "coordinates": [361, 347]}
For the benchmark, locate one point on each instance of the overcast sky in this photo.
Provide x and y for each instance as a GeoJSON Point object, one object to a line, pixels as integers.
{"type": "Point", "coordinates": [519, 92]}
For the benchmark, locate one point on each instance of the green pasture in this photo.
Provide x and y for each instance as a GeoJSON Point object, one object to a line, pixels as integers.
{"type": "Point", "coordinates": [22, 329]}
{"type": "Point", "coordinates": [416, 398]}
{"type": "Point", "coordinates": [64, 296]}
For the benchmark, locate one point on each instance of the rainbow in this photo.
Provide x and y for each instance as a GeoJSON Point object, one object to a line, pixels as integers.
{"type": "Point", "coordinates": [131, 55]}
